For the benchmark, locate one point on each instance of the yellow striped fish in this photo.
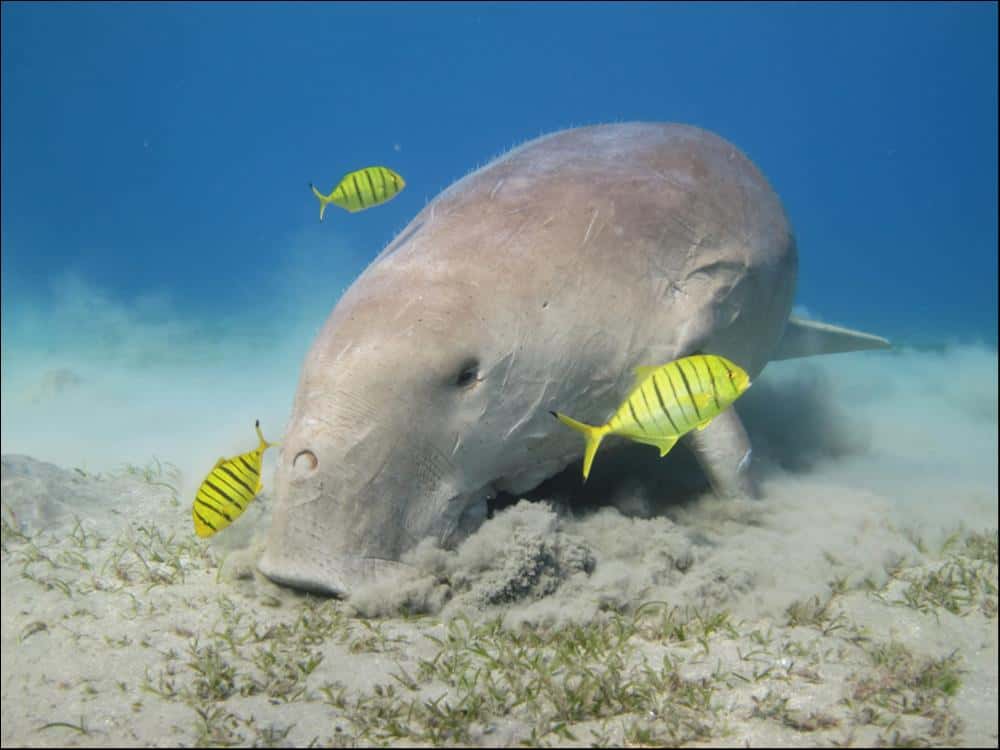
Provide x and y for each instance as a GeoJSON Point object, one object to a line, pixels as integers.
{"type": "Point", "coordinates": [228, 489]}
{"type": "Point", "coordinates": [667, 402]}
{"type": "Point", "coordinates": [363, 189]}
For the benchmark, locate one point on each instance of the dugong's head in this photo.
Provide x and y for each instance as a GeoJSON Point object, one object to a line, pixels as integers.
{"type": "Point", "coordinates": [393, 436]}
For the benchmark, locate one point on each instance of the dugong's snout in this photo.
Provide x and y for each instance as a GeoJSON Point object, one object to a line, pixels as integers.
{"type": "Point", "coordinates": [330, 576]}
{"type": "Point", "coordinates": [300, 553]}
{"type": "Point", "coordinates": [331, 531]}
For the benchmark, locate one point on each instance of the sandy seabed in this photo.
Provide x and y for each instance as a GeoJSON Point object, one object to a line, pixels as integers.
{"type": "Point", "coordinates": [855, 604]}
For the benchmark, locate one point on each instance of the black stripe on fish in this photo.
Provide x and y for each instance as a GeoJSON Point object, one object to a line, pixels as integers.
{"type": "Point", "coordinates": [205, 521]}
{"type": "Point", "coordinates": [715, 388]}
{"type": "Point", "coordinates": [687, 385]}
{"type": "Point", "coordinates": [357, 191]}
{"type": "Point", "coordinates": [677, 398]}
{"type": "Point", "coordinates": [649, 409]}
{"type": "Point", "coordinates": [242, 472]}
{"type": "Point", "coordinates": [250, 467]}
{"type": "Point", "coordinates": [236, 478]}
{"type": "Point", "coordinates": [371, 184]}
{"type": "Point", "coordinates": [694, 366]}
{"type": "Point", "coordinates": [225, 496]}
{"type": "Point", "coordinates": [635, 416]}
{"type": "Point", "coordinates": [205, 495]}
{"type": "Point", "coordinates": [223, 493]}
{"type": "Point", "coordinates": [729, 375]}
{"type": "Point", "coordinates": [215, 510]}
{"type": "Point", "coordinates": [230, 488]}
{"type": "Point", "coordinates": [663, 404]}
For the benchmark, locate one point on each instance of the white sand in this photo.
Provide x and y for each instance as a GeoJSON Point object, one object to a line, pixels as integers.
{"type": "Point", "coordinates": [856, 603]}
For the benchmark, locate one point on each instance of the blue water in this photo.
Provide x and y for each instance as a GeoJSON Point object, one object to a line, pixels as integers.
{"type": "Point", "coordinates": [155, 157]}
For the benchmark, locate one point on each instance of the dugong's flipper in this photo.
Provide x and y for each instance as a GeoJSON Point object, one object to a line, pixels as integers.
{"type": "Point", "coordinates": [723, 450]}
{"type": "Point", "coordinates": [807, 338]}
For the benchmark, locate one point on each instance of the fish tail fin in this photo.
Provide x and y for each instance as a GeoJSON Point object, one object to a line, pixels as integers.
{"type": "Point", "coordinates": [323, 200]}
{"type": "Point", "coordinates": [264, 445]}
{"type": "Point", "coordinates": [591, 435]}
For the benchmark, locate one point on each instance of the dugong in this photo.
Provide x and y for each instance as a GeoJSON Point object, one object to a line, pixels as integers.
{"type": "Point", "coordinates": [537, 283]}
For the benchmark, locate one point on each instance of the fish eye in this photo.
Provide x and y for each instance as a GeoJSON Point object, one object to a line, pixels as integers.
{"type": "Point", "coordinates": [468, 374]}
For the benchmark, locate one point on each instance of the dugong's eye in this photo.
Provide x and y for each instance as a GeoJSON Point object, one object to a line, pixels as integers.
{"type": "Point", "coordinates": [468, 374]}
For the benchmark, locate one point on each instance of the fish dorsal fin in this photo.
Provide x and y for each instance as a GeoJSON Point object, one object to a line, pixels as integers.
{"type": "Point", "coordinates": [642, 372]}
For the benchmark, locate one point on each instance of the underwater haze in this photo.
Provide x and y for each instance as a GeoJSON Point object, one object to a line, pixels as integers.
{"type": "Point", "coordinates": [165, 271]}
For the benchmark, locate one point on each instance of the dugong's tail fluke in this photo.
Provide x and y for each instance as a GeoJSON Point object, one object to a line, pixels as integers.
{"type": "Point", "coordinates": [593, 436]}
{"type": "Point", "coordinates": [323, 200]}
{"type": "Point", "coordinates": [807, 338]}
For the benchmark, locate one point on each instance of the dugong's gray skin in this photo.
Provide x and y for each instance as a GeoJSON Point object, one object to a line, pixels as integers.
{"type": "Point", "coordinates": [537, 283]}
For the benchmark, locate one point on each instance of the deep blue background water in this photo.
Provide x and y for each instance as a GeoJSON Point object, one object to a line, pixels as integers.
{"type": "Point", "coordinates": [162, 151]}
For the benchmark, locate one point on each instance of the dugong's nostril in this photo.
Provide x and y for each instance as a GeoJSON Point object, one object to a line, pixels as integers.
{"type": "Point", "coordinates": [305, 462]}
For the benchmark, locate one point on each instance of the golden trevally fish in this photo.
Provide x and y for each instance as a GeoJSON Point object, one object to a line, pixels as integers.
{"type": "Point", "coordinates": [362, 189]}
{"type": "Point", "coordinates": [228, 489]}
{"type": "Point", "coordinates": [667, 402]}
